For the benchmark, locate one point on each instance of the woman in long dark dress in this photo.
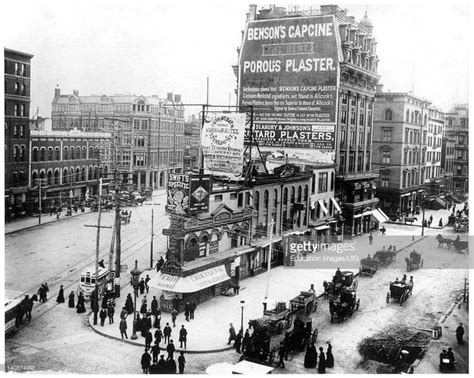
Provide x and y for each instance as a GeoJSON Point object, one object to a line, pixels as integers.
{"type": "Point", "coordinates": [329, 356]}
{"type": "Point", "coordinates": [71, 299]}
{"type": "Point", "coordinates": [60, 298]}
{"type": "Point", "coordinates": [322, 362]}
{"type": "Point", "coordinates": [311, 357]}
{"type": "Point", "coordinates": [129, 304]}
{"type": "Point", "coordinates": [81, 304]}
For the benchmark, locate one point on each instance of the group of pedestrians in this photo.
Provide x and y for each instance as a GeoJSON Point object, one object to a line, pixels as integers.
{"type": "Point", "coordinates": [43, 292]}
{"type": "Point", "coordinates": [312, 359]}
{"type": "Point", "coordinates": [151, 365]}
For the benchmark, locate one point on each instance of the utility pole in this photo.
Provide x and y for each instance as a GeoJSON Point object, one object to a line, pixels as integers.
{"type": "Point", "coordinates": [269, 260]}
{"type": "Point", "coordinates": [97, 250]}
{"type": "Point", "coordinates": [151, 244]}
{"type": "Point", "coordinates": [39, 201]}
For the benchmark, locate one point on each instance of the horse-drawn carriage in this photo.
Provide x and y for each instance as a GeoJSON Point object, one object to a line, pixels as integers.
{"type": "Point", "coordinates": [344, 305]}
{"type": "Point", "coordinates": [368, 267]}
{"type": "Point", "coordinates": [385, 257]}
{"type": "Point", "coordinates": [125, 216]}
{"type": "Point", "coordinates": [400, 290]}
{"type": "Point", "coordinates": [458, 244]}
{"type": "Point", "coordinates": [415, 261]}
{"type": "Point", "coordinates": [304, 304]}
{"type": "Point", "coordinates": [339, 281]}
{"type": "Point", "coordinates": [265, 341]}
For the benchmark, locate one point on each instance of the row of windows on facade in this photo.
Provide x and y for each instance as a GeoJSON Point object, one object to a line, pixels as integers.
{"type": "Point", "coordinates": [141, 159]}
{"type": "Point", "coordinates": [119, 108]}
{"type": "Point", "coordinates": [360, 40]}
{"type": "Point", "coordinates": [20, 88]}
{"type": "Point", "coordinates": [162, 141]}
{"type": "Point", "coordinates": [20, 68]}
{"type": "Point", "coordinates": [352, 136]}
{"type": "Point", "coordinates": [366, 63]}
{"type": "Point", "coordinates": [413, 117]}
{"type": "Point", "coordinates": [351, 167]}
{"type": "Point", "coordinates": [463, 122]}
{"type": "Point", "coordinates": [18, 131]}
{"type": "Point", "coordinates": [353, 101]}
{"type": "Point", "coordinates": [410, 178]}
{"type": "Point", "coordinates": [69, 175]}
{"type": "Point", "coordinates": [70, 153]}
{"type": "Point", "coordinates": [352, 120]}
{"type": "Point", "coordinates": [165, 126]}
{"type": "Point", "coordinates": [413, 137]}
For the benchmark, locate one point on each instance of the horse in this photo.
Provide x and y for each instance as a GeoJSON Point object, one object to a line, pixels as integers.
{"type": "Point", "coordinates": [410, 219]}
{"type": "Point", "coordinates": [443, 241]}
{"type": "Point", "coordinates": [24, 309]}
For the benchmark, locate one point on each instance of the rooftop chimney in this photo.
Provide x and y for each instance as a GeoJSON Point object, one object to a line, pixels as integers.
{"type": "Point", "coordinates": [177, 98]}
{"type": "Point", "coordinates": [379, 88]}
{"type": "Point", "coordinates": [75, 92]}
{"type": "Point", "coordinates": [252, 12]}
{"type": "Point", "coordinates": [169, 96]}
{"type": "Point", "coordinates": [57, 92]}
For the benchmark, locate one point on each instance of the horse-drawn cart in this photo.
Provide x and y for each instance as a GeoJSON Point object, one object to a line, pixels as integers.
{"type": "Point", "coordinates": [344, 305]}
{"type": "Point", "coordinates": [400, 291]}
{"type": "Point", "coordinates": [304, 304]}
{"type": "Point", "coordinates": [368, 267]}
{"type": "Point", "coordinates": [414, 261]}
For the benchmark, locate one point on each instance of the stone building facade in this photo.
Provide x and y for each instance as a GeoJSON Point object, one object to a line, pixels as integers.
{"type": "Point", "coordinates": [148, 131]}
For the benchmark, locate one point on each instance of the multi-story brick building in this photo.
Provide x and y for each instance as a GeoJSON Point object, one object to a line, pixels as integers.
{"type": "Point", "coordinates": [17, 118]}
{"type": "Point", "coordinates": [400, 150]}
{"type": "Point", "coordinates": [342, 91]}
{"type": "Point", "coordinates": [457, 128]}
{"type": "Point", "coordinates": [149, 131]}
{"type": "Point", "coordinates": [447, 161]}
{"type": "Point", "coordinates": [68, 163]}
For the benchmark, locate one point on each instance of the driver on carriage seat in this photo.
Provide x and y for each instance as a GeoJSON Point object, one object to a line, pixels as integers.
{"type": "Point", "coordinates": [368, 257]}
{"type": "Point", "coordinates": [337, 276]}
{"type": "Point", "coordinates": [404, 279]}
{"type": "Point", "coordinates": [458, 238]}
{"type": "Point", "coordinates": [396, 280]}
{"type": "Point", "coordinates": [411, 281]}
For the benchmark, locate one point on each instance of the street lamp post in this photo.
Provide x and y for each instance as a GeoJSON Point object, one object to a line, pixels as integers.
{"type": "Point", "coordinates": [242, 304]}
{"type": "Point", "coordinates": [135, 283]}
{"type": "Point", "coordinates": [423, 199]}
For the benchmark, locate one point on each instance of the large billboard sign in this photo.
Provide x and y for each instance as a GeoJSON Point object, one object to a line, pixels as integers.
{"type": "Point", "coordinates": [223, 143]}
{"type": "Point", "coordinates": [288, 71]}
{"type": "Point", "coordinates": [200, 189]}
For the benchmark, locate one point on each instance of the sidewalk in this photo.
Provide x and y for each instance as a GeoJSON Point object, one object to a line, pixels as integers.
{"type": "Point", "coordinates": [437, 215]}
{"type": "Point", "coordinates": [208, 332]}
{"type": "Point", "coordinates": [430, 362]}
{"type": "Point", "coordinates": [32, 222]}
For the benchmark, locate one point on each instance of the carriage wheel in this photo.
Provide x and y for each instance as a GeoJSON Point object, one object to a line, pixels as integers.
{"type": "Point", "coordinates": [402, 298]}
{"type": "Point", "coordinates": [388, 297]}
{"type": "Point", "coordinates": [355, 283]}
{"type": "Point", "coordinates": [315, 335]}
{"type": "Point", "coordinates": [315, 306]}
{"type": "Point", "coordinates": [421, 263]}
{"type": "Point", "coordinates": [360, 270]}
{"type": "Point", "coordinates": [357, 304]}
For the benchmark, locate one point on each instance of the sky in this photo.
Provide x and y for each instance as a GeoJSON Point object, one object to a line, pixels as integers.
{"type": "Point", "coordinates": [155, 47]}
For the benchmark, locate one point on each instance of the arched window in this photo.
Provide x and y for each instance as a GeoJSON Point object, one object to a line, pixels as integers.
{"type": "Point", "coordinates": [257, 200]}
{"type": "Point", "coordinates": [72, 153]}
{"type": "Point", "coordinates": [83, 174]}
{"type": "Point", "coordinates": [412, 117]}
{"type": "Point", "coordinates": [42, 176]}
{"type": "Point", "coordinates": [56, 177]}
{"type": "Point", "coordinates": [34, 178]}
{"type": "Point", "coordinates": [50, 153]}
{"type": "Point", "coordinates": [65, 153]}
{"type": "Point", "coordinates": [407, 117]}
{"type": "Point", "coordinates": [65, 176]}
{"type": "Point", "coordinates": [388, 115]}
{"type": "Point", "coordinates": [425, 120]}
{"type": "Point", "coordinates": [58, 153]}
{"type": "Point", "coordinates": [35, 154]}
{"type": "Point", "coordinates": [78, 174]}
{"type": "Point", "coordinates": [299, 194]}
{"type": "Point", "coordinates": [71, 175]}
{"type": "Point", "coordinates": [50, 177]}
{"type": "Point", "coordinates": [275, 198]}
{"type": "Point", "coordinates": [91, 153]}
{"type": "Point", "coordinates": [306, 192]}
{"type": "Point", "coordinates": [292, 194]}
{"type": "Point", "coordinates": [285, 196]}
{"type": "Point", "coordinates": [43, 154]}
{"type": "Point", "coordinates": [84, 152]}
{"type": "Point", "coordinates": [90, 176]}
{"type": "Point", "coordinates": [265, 199]}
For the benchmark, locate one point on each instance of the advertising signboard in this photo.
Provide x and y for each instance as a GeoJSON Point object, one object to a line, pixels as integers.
{"type": "Point", "coordinates": [289, 72]}
{"type": "Point", "coordinates": [178, 193]}
{"type": "Point", "coordinates": [200, 187]}
{"type": "Point", "coordinates": [223, 143]}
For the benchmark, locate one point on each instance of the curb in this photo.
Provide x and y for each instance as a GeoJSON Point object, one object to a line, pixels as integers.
{"type": "Point", "coordinates": [142, 345]}
{"type": "Point", "coordinates": [46, 223]}
{"type": "Point", "coordinates": [449, 310]}
{"type": "Point", "coordinates": [416, 225]}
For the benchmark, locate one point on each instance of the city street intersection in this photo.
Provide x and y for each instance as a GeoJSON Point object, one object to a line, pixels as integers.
{"type": "Point", "coordinates": [60, 340]}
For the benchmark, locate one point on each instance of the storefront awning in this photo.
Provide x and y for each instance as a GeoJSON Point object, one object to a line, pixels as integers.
{"type": "Point", "coordinates": [189, 284]}
{"type": "Point", "coordinates": [320, 228]}
{"type": "Point", "coordinates": [356, 215]}
{"type": "Point", "coordinates": [321, 203]}
{"type": "Point", "coordinates": [379, 216]}
{"type": "Point", "coordinates": [336, 205]}
{"type": "Point", "coordinates": [365, 213]}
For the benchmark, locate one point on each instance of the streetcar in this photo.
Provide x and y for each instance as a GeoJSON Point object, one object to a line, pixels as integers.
{"type": "Point", "coordinates": [87, 284]}
{"type": "Point", "coordinates": [13, 301]}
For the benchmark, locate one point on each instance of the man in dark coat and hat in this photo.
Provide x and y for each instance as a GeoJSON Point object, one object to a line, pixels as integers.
{"type": "Point", "coordinates": [146, 361]}
{"type": "Point", "coordinates": [460, 333]}
{"type": "Point", "coordinates": [311, 357]}
{"type": "Point", "coordinates": [141, 285]}
{"type": "Point", "coordinates": [183, 337]}
{"type": "Point", "coordinates": [162, 365]}
{"type": "Point", "coordinates": [71, 299]}
{"type": "Point", "coordinates": [238, 341]}
{"type": "Point", "coordinates": [170, 366]}
{"type": "Point", "coordinates": [192, 308]}
{"type": "Point", "coordinates": [148, 340]}
{"type": "Point", "coordinates": [167, 333]}
{"type": "Point", "coordinates": [170, 349]}
{"type": "Point", "coordinates": [60, 298]}
{"type": "Point", "coordinates": [232, 333]}
{"type": "Point", "coordinates": [158, 336]}
{"type": "Point", "coordinates": [181, 362]}
{"type": "Point", "coordinates": [187, 310]}
{"type": "Point", "coordinates": [322, 362]}
{"type": "Point", "coordinates": [155, 350]}
{"type": "Point", "coordinates": [102, 315]}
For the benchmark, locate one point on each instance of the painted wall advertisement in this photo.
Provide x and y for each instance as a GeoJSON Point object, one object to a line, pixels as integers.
{"type": "Point", "coordinates": [178, 193]}
{"type": "Point", "coordinates": [288, 71]}
{"type": "Point", "coordinates": [223, 143]}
